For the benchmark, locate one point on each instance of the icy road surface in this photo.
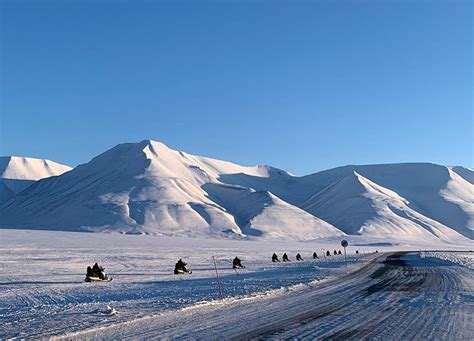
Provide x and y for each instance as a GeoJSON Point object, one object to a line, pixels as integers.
{"type": "Point", "coordinates": [399, 296]}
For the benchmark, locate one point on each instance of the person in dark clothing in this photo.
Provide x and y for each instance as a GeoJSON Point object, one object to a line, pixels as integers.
{"type": "Point", "coordinates": [339, 252]}
{"type": "Point", "coordinates": [328, 253]}
{"type": "Point", "coordinates": [180, 267]}
{"type": "Point", "coordinates": [357, 251]}
{"type": "Point", "coordinates": [98, 271]}
{"type": "Point", "coordinates": [298, 257]}
{"type": "Point", "coordinates": [315, 255]}
{"type": "Point", "coordinates": [285, 257]}
{"type": "Point", "coordinates": [95, 273]}
{"type": "Point", "coordinates": [275, 258]}
{"type": "Point", "coordinates": [335, 253]}
{"type": "Point", "coordinates": [236, 263]}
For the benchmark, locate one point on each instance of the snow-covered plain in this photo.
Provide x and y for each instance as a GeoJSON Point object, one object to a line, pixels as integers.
{"type": "Point", "coordinates": [43, 294]}
{"type": "Point", "coordinates": [464, 259]}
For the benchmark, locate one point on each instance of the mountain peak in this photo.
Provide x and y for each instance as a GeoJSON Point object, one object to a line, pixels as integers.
{"type": "Point", "coordinates": [26, 168]}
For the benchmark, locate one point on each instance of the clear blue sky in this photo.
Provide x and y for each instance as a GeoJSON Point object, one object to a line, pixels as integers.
{"type": "Point", "coordinates": [301, 85]}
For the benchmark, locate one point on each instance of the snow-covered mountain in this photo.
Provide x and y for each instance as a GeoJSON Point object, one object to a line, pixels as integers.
{"type": "Point", "coordinates": [17, 173]}
{"type": "Point", "coordinates": [147, 187]}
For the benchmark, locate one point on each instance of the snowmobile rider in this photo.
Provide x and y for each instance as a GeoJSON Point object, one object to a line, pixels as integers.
{"type": "Point", "coordinates": [285, 257]}
{"type": "Point", "coordinates": [328, 253]}
{"type": "Point", "coordinates": [89, 272]}
{"type": "Point", "coordinates": [335, 253]}
{"type": "Point", "coordinates": [315, 255]}
{"type": "Point", "coordinates": [98, 271]}
{"type": "Point", "coordinates": [180, 267]}
{"type": "Point", "coordinates": [339, 252]}
{"type": "Point", "coordinates": [275, 258]}
{"type": "Point", "coordinates": [298, 257]}
{"type": "Point", "coordinates": [236, 263]}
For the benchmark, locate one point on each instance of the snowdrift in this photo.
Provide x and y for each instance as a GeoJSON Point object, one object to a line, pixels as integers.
{"type": "Point", "coordinates": [149, 188]}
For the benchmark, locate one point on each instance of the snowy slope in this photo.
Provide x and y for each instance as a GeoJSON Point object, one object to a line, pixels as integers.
{"type": "Point", "coordinates": [149, 188]}
{"type": "Point", "coordinates": [375, 211]}
{"type": "Point", "coordinates": [466, 173]}
{"type": "Point", "coordinates": [26, 168]}
{"type": "Point", "coordinates": [434, 191]}
{"type": "Point", "coordinates": [17, 173]}
{"type": "Point", "coordinates": [260, 213]}
{"type": "Point", "coordinates": [442, 195]}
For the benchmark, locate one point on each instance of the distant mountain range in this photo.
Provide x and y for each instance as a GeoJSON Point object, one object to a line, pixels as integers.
{"type": "Point", "coordinates": [17, 173]}
{"type": "Point", "coordinates": [149, 188]}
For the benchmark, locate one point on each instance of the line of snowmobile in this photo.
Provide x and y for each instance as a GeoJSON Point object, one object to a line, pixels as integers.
{"type": "Point", "coordinates": [96, 273]}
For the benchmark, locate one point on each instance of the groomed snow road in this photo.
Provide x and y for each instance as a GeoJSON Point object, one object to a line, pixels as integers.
{"type": "Point", "coordinates": [396, 296]}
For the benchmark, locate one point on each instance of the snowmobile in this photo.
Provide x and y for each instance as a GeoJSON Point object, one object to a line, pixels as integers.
{"type": "Point", "coordinates": [335, 253]}
{"type": "Point", "coordinates": [339, 252]}
{"type": "Point", "coordinates": [237, 263]}
{"type": "Point", "coordinates": [96, 274]}
{"type": "Point", "coordinates": [285, 257]}
{"type": "Point", "coordinates": [328, 253]}
{"type": "Point", "coordinates": [275, 258]}
{"type": "Point", "coordinates": [315, 255]}
{"type": "Point", "coordinates": [298, 257]}
{"type": "Point", "coordinates": [180, 268]}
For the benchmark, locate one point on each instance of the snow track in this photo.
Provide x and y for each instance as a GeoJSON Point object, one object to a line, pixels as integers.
{"type": "Point", "coordinates": [396, 296]}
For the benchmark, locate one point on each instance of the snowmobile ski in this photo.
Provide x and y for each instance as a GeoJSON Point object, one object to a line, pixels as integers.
{"type": "Point", "coordinates": [90, 279]}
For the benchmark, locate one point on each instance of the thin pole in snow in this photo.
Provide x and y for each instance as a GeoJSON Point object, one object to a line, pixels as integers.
{"type": "Point", "coordinates": [219, 286]}
{"type": "Point", "coordinates": [345, 257]}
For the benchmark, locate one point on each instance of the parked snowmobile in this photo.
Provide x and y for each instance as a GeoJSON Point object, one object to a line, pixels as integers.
{"type": "Point", "coordinates": [275, 258]}
{"type": "Point", "coordinates": [237, 263]}
{"type": "Point", "coordinates": [96, 274]}
{"type": "Point", "coordinates": [315, 255]}
{"type": "Point", "coordinates": [285, 257]}
{"type": "Point", "coordinates": [298, 257]}
{"type": "Point", "coordinates": [180, 268]}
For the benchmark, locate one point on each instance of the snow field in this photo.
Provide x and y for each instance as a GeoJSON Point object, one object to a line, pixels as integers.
{"type": "Point", "coordinates": [43, 292]}
{"type": "Point", "coordinates": [464, 259]}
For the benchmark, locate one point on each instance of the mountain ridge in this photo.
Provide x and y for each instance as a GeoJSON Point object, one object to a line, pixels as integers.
{"type": "Point", "coordinates": [147, 187]}
{"type": "Point", "coordinates": [17, 173]}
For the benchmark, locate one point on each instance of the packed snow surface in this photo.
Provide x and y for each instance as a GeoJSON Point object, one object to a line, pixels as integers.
{"type": "Point", "coordinates": [149, 188]}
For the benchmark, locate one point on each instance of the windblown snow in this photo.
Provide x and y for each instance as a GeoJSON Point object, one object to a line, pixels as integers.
{"type": "Point", "coordinates": [149, 188]}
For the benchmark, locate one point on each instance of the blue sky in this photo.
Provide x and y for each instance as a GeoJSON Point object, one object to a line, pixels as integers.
{"type": "Point", "coordinates": [300, 85]}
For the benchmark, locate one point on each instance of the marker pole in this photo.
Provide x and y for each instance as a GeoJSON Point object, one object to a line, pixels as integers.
{"type": "Point", "coordinates": [219, 286]}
